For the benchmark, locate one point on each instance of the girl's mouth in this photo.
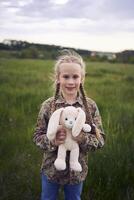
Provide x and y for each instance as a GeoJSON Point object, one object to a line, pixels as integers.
{"type": "Point", "coordinates": [70, 88]}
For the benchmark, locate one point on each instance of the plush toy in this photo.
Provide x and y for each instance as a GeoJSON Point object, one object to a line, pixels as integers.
{"type": "Point", "coordinates": [73, 121]}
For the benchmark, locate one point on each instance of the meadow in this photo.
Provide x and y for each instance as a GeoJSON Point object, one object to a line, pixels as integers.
{"type": "Point", "coordinates": [24, 85]}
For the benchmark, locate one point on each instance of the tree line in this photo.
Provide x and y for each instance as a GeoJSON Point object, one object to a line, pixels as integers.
{"type": "Point", "coordinates": [23, 49]}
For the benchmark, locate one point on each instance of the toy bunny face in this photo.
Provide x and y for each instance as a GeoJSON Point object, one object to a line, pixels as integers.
{"type": "Point", "coordinates": [68, 117]}
{"type": "Point", "coordinates": [69, 121]}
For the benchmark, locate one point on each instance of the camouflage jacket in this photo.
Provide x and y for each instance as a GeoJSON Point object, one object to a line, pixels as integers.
{"type": "Point", "coordinates": [90, 142]}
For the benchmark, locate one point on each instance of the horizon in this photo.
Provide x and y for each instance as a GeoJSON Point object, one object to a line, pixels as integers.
{"type": "Point", "coordinates": [105, 25]}
{"type": "Point", "coordinates": [67, 46]}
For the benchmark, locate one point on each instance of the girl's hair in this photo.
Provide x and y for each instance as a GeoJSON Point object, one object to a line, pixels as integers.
{"type": "Point", "coordinates": [70, 56]}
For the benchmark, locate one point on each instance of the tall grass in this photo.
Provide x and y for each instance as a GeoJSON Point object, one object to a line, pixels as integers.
{"type": "Point", "coordinates": [24, 84]}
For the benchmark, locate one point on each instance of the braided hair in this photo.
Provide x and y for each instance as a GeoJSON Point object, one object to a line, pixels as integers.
{"type": "Point", "coordinates": [57, 90]}
{"type": "Point", "coordinates": [88, 113]}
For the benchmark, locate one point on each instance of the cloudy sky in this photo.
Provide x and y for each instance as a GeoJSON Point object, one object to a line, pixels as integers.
{"type": "Point", "coordinates": [101, 25]}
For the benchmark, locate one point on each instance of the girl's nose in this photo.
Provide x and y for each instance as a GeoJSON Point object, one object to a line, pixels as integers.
{"type": "Point", "coordinates": [71, 81]}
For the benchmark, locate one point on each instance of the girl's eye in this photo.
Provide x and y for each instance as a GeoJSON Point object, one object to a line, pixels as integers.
{"type": "Point", "coordinates": [66, 119]}
{"type": "Point", "coordinates": [75, 76]}
{"type": "Point", "coordinates": [66, 76]}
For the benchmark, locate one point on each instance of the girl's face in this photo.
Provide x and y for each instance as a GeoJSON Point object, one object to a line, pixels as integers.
{"type": "Point", "coordinates": [70, 77]}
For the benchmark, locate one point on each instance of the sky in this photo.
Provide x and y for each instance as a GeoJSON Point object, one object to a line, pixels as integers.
{"type": "Point", "coordinates": [96, 25]}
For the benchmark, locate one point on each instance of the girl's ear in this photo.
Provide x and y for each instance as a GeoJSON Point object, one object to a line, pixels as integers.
{"type": "Point", "coordinates": [82, 80]}
{"type": "Point", "coordinates": [58, 81]}
{"type": "Point", "coordinates": [57, 78]}
{"type": "Point", "coordinates": [79, 123]}
{"type": "Point", "coordinates": [54, 124]}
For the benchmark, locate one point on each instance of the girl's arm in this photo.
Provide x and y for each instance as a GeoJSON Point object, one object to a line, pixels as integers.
{"type": "Point", "coordinates": [99, 132]}
{"type": "Point", "coordinates": [88, 141]}
{"type": "Point", "coordinates": [40, 137]}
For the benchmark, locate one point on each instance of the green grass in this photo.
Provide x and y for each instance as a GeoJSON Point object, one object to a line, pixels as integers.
{"type": "Point", "coordinates": [24, 84]}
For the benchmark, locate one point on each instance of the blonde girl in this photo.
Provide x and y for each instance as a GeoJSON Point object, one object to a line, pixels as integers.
{"type": "Point", "coordinates": [69, 80]}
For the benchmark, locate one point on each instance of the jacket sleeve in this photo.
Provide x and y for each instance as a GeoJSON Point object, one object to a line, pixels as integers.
{"type": "Point", "coordinates": [40, 137]}
{"type": "Point", "coordinates": [91, 142]}
{"type": "Point", "coordinates": [98, 126]}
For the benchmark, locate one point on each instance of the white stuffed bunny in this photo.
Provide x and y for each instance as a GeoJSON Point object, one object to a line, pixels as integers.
{"type": "Point", "coordinates": [73, 120]}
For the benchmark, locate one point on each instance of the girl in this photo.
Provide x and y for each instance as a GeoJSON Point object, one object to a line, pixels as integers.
{"type": "Point", "coordinates": [69, 79]}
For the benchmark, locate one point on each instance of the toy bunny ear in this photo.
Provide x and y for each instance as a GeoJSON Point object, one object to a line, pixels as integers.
{"type": "Point", "coordinates": [54, 124]}
{"type": "Point", "coordinates": [80, 121]}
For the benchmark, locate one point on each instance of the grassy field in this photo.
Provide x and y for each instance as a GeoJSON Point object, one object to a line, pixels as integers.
{"type": "Point", "coordinates": [24, 84]}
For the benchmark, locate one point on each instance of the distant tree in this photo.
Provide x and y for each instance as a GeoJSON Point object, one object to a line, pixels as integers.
{"type": "Point", "coordinates": [3, 46]}
{"type": "Point", "coordinates": [31, 52]}
{"type": "Point", "coordinates": [131, 59]}
{"type": "Point", "coordinates": [103, 58]}
{"type": "Point", "coordinates": [125, 56]}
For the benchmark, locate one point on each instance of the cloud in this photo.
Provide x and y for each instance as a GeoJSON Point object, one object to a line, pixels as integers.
{"type": "Point", "coordinates": [67, 18]}
{"type": "Point", "coordinates": [119, 9]}
{"type": "Point", "coordinates": [54, 9]}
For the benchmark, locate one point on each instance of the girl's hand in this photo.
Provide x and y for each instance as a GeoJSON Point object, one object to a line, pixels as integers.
{"type": "Point", "coordinates": [60, 137]}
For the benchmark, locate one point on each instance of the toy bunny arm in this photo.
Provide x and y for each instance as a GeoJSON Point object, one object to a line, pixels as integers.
{"type": "Point", "coordinates": [40, 137]}
{"type": "Point", "coordinates": [86, 128]}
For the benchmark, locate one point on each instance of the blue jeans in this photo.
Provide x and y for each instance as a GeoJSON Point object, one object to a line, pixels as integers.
{"type": "Point", "coordinates": [50, 190]}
